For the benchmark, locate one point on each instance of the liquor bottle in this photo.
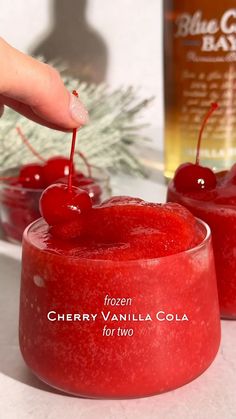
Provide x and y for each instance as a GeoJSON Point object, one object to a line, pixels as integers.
{"type": "Point", "coordinates": [199, 68]}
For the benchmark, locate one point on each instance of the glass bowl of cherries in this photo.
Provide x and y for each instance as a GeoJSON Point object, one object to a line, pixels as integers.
{"type": "Point", "coordinates": [21, 188]}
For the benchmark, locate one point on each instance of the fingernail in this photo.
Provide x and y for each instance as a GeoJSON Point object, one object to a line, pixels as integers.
{"type": "Point", "coordinates": [78, 111]}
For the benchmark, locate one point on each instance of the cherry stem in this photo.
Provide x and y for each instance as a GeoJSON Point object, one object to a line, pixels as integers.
{"type": "Point", "coordinates": [85, 160]}
{"type": "Point", "coordinates": [8, 178]}
{"type": "Point", "coordinates": [72, 151]}
{"type": "Point", "coordinates": [27, 143]}
{"type": "Point", "coordinates": [213, 108]}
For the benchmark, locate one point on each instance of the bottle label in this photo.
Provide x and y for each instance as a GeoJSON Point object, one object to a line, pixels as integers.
{"type": "Point", "coordinates": [216, 34]}
{"type": "Point", "coordinates": [200, 68]}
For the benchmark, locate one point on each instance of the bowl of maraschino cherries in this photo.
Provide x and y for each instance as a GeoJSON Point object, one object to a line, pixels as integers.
{"type": "Point", "coordinates": [212, 197]}
{"type": "Point", "coordinates": [22, 186]}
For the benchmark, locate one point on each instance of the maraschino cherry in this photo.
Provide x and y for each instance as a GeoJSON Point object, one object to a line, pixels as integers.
{"type": "Point", "coordinates": [193, 177]}
{"type": "Point", "coordinates": [61, 203]}
{"type": "Point", "coordinates": [38, 176]}
{"type": "Point", "coordinates": [51, 169]}
{"type": "Point", "coordinates": [56, 168]}
{"type": "Point", "coordinates": [58, 203]}
{"type": "Point", "coordinates": [32, 176]}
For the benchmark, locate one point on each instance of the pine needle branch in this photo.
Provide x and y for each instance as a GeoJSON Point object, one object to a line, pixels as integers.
{"type": "Point", "coordinates": [114, 125]}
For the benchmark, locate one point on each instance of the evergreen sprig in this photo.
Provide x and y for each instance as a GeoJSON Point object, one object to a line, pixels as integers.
{"type": "Point", "coordinates": [114, 125]}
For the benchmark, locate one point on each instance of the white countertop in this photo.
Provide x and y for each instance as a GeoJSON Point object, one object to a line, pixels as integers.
{"type": "Point", "coordinates": [24, 397]}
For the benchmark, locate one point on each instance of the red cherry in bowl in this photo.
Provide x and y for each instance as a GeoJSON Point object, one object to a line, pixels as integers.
{"type": "Point", "coordinates": [56, 168]}
{"type": "Point", "coordinates": [60, 204]}
{"type": "Point", "coordinates": [191, 177]}
{"type": "Point", "coordinates": [32, 176]}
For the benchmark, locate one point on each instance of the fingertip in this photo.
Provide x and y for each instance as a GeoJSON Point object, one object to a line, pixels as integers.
{"type": "Point", "coordinates": [77, 110]}
{"type": "Point", "coordinates": [59, 106]}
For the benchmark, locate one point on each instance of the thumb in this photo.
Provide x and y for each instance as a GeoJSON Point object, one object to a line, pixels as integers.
{"type": "Point", "coordinates": [37, 91]}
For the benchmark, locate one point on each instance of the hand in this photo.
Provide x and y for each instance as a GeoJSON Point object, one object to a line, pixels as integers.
{"type": "Point", "coordinates": [36, 90]}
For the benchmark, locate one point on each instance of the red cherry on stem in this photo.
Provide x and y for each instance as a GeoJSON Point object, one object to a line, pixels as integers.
{"type": "Point", "coordinates": [59, 204]}
{"type": "Point", "coordinates": [193, 177]}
